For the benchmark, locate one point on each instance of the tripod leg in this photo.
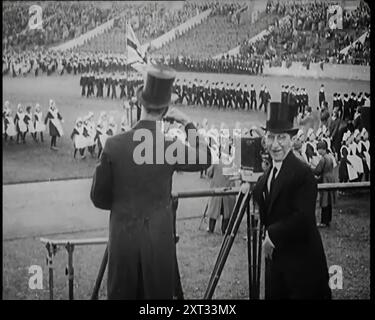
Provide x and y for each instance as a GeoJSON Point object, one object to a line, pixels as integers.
{"type": "Point", "coordinates": [99, 279]}
{"type": "Point", "coordinates": [226, 249]}
{"type": "Point", "coordinates": [179, 294]}
{"type": "Point", "coordinates": [70, 270]}
{"type": "Point", "coordinates": [249, 259]}
{"type": "Point", "coordinates": [227, 232]}
{"type": "Point", "coordinates": [254, 248]}
{"type": "Point", "coordinates": [267, 275]}
{"type": "Point", "coordinates": [203, 216]}
{"type": "Point", "coordinates": [260, 233]}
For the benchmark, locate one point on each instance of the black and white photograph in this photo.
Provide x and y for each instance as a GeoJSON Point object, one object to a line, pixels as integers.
{"type": "Point", "coordinates": [209, 150]}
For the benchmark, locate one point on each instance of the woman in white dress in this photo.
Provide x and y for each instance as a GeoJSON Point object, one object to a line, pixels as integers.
{"type": "Point", "coordinates": [30, 123]}
{"type": "Point", "coordinates": [79, 139]}
{"type": "Point", "coordinates": [10, 127]}
{"type": "Point", "coordinates": [21, 125]}
{"type": "Point", "coordinates": [40, 127]}
{"type": "Point", "coordinates": [54, 120]}
{"type": "Point", "coordinates": [353, 157]}
{"type": "Point", "coordinates": [100, 137]}
{"type": "Point", "coordinates": [91, 132]}
{"type": "Point", "coordinates": [112, 127]}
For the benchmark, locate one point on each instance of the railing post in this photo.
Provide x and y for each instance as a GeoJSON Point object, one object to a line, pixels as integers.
{"type": "Point", "coordinates": [70, 270]}
{"type": "Point", "coordinates": [51, 251]}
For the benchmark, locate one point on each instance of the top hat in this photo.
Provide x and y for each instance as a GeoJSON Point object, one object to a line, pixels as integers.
{"type": "Point", "coordinates": [157, 91]}
{"type": "Point", "coordinates": [280, 118]}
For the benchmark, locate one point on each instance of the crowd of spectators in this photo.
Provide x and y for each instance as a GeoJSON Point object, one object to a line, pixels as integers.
{"type": "Point", "coordinates": [229, 64]}
{"type": "Point", "coordinates": [61, 21]}
{"type": "Point", "coordinates": [154, 19]}
{"type": "Point", "coordinates": [49, 62]}
{"type": "Point", "coordinates": [216, 35]}
{"type": "Point", "coordinates": [306, 35]}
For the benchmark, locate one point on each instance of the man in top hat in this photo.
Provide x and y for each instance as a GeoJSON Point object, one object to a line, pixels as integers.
{"type": "Point", "coordinates": [286, 194]}
{"type": "Point", "coordinates": [142, 261]}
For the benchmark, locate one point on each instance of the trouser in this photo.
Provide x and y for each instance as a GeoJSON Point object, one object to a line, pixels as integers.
{"type": "Point", "coordinates": [262, 103]}
{"type": "Point", "coordinates": [224, 221]}
{"type": "Point", "coordinates": [212, 223]}
{"type": "Point", "coordinates": [326, 215]}
{"type": "Point", "coordinates": [253, 100]}
{"type": "Point", "coordinates": [53, 141]}
{"type": "Point", "coordinates": [246, 104]}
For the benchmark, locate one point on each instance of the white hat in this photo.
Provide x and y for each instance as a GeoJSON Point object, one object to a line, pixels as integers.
{"type": "Point", "coordinates": [346, 135]}
{"type": "Point", "coordinates": [299, 133]}
{"type": "Point", "coordinates": [309, 132]}
{"type": "Point", "coordinates": [324, 129]}
{"type": "Point", "coordinates": [363, 132]}
{"type": "Point", "coordinates": [356, 133]}
{"type": "Point", "coordinates": [79, 119]}
{"type": "Point", "coordinates": [319, 132]}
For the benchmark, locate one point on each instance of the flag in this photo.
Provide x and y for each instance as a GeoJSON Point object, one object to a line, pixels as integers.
{"type": "Point", "coordinates": [133, 43]}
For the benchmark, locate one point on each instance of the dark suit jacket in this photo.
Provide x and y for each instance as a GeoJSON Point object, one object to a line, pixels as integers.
{"type": "Point", "coordinates": [141, 247]}
{"type": "Point", "coordinates": [299, 266]}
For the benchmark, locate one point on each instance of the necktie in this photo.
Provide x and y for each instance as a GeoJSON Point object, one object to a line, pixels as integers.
{"type": "Point", "coordinates": [274, 172]}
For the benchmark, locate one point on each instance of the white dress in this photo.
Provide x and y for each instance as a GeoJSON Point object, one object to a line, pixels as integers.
{"type": "Point", "coordinates": [30, 125]}
{"type": "Point", "coordinates": [39, 124]}
{"type": "Point", "coordinates": [11, 127]}
{"type": "Point", "coordinates": [79, 139]}
{"type": "Point", "coordinates": [354, 159]}
{"type": "Point", "coordinates": [21, 122]}
{"type": "Point", "coordinates": [91, 132]}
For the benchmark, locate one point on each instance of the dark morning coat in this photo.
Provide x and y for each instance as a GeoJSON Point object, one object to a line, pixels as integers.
{"type": "Point", "coordinates": [298, 266]}
{"type": "Point", "coordinates": [141, 244]}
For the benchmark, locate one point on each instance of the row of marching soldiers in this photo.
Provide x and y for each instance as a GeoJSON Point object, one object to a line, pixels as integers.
{"type": "Point", "coordinates": [354, 154]}
{"type": "Point", "coordinates": [32, 121]}
{"type": "Point", "coordinates": [238, 96]}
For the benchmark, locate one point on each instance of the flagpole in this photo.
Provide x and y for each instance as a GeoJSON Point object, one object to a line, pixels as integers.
{"type": "Point", "coordinates": [130, 116]}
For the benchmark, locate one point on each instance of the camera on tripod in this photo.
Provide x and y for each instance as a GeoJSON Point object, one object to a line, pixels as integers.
{"type": "Point", "coordinates": [247, 161]}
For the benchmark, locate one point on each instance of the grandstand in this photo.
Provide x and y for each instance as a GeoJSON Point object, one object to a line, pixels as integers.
{"type": "Point", "coordinates": [216, 35]}
{"type": "Point", "coordinates": [149, 20]}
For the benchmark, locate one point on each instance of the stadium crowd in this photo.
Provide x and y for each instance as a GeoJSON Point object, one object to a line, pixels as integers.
{"type": "Point", "coordinates": [60, 62]}
{"type": "Point", "coordinates": [61, 21]}
{"type": "Point", "coordinates": [307, 37]}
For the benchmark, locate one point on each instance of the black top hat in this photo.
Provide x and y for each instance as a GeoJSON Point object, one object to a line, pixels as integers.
{"type": "Point", "coordinates": [280, 118]}
{"type": "Point", "coordinates": [156, 93]}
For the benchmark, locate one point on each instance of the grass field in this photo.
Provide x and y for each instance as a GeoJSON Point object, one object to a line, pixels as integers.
{"type": "Point", "coordinates": [34, 210]}
{"type": "Point", "coordinates": [34, 162]}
